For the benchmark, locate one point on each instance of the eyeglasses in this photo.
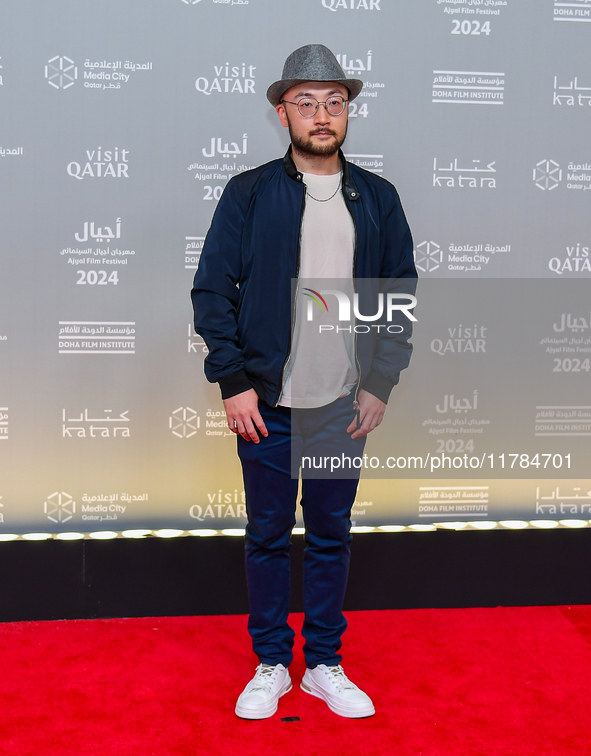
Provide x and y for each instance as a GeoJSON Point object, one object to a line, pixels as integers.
{"type": "Point", "coordinates": [308, 106]}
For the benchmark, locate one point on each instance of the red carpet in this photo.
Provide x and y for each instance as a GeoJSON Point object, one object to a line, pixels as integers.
{"type": "Point", "coordinates": [453, 682]}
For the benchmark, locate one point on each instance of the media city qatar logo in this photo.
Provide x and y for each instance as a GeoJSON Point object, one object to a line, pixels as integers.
{"type": "Point", "coordinates": [428, 256]}
{"type": "Point", "coordinates": [547, 175]}
{"type": "Point", "coordinates": [393, 304]}
{"type": "Point", "coordinates": [184, 422]}
{"type": "Point", "coordinates": [191, 2]}
{"type": "Point", "coordinates": [61, 72]}
{"type": "Point", "coordinates": [59, 507]}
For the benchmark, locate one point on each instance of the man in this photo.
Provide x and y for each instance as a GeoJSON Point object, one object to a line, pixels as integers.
{"type": "Point", "coordinates": [310, 215]}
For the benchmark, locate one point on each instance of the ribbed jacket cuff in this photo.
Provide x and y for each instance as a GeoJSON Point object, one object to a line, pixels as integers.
{"type": "Point", "coordinates": [378, 385]}
{"type": "Point", "coordinates": [233, 384]}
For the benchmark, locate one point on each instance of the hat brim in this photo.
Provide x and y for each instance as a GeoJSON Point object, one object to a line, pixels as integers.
{"type": "Point", "coordinates": [279, 88]}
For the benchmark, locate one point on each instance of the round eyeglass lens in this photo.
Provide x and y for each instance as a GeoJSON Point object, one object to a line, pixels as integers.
{"type": "Point", "coordinates": [335, 105]}
{"type": "Point", "coordinates": [308, 106]}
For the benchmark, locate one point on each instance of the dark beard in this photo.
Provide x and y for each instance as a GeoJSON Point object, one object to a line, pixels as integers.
{"type": "Point", "coordinates": [307, 146]}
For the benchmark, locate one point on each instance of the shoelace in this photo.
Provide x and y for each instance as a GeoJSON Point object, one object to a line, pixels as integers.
{"type": "Point", "coordinates": [340, 679]}
{"type": "Point", "coordinates": [263, 678]}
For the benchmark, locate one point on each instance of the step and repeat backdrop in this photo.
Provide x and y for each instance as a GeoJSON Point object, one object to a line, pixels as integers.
{"type": "Point", "coordinates": [123, 120]}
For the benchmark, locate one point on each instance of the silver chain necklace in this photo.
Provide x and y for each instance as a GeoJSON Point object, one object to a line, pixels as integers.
{"type": "Point", "coordinates": [328, 198]}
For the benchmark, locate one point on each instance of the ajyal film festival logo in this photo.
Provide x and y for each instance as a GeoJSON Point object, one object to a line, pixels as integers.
{"type": "Point", "coordinates": [59, 507]}
{"type": "Point", "coordinates": [61, 72]}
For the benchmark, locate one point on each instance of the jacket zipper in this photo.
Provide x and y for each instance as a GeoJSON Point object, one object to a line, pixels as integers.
{"type": "Point", "coordinates": [357, 362]}
{"type": "Point", "coordinates": [293, 303]}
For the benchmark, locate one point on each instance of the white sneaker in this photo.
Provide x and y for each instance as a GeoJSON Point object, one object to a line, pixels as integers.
{"type": "Point", "coordinates": [260, 697]}
{"type": "Point", "coordinates": [332, 685]}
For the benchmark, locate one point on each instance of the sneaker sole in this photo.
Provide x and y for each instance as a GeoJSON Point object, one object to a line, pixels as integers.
{"type": "Point", "coordinates": [261, 712]}
{"type": "Point", "coordinates": [337, 706]}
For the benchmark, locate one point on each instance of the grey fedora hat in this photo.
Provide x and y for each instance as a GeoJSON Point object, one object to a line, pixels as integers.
{"type": "Point", "coordinates": [311, 63]}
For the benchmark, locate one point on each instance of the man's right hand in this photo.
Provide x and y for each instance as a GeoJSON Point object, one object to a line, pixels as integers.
{"type": "Point", "coordinates": [243, 415]}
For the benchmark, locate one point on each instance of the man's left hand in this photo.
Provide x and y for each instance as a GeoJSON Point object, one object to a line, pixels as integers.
{"type": "Point", "coordinates": [371, 414]}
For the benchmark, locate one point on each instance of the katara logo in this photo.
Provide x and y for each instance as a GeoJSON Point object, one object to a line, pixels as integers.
{"type": "Point", "coordinates": [344, 305]}
{"type": "Point", "coordinates": [547, 175]}
{"type": "Point", "coordinates": [184, 422]}
{"type": "Point", "coordinates": [428, 256]}
{"type": "Point", "coordinates": [61, 72]}
{"type": "Point", "coordinates": [60, 507]}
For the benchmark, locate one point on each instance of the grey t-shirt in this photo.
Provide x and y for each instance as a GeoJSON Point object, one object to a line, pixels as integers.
{"type": "Point", "coordinates": [321, 366]}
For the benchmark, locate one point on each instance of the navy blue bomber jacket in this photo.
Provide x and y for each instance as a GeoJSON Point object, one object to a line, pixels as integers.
{"type": "Point", "coordinates": [242, 292]}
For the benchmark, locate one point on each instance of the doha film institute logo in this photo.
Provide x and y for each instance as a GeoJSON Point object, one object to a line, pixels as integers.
{"type": "Point", "coordinates": [59, 507]}
{"type": "Point", "coordinates": [61, 72]}
{"type": "Point", "coordinates": [547, 175]}
{"type": "Point", "coordinates": [184, 422]}
{"type": "Point", "coordinates": [428, 256]}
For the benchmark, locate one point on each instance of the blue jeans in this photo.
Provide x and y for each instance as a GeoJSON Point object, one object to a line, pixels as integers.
{"type": "Point", "coordinates": [270, 504]}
